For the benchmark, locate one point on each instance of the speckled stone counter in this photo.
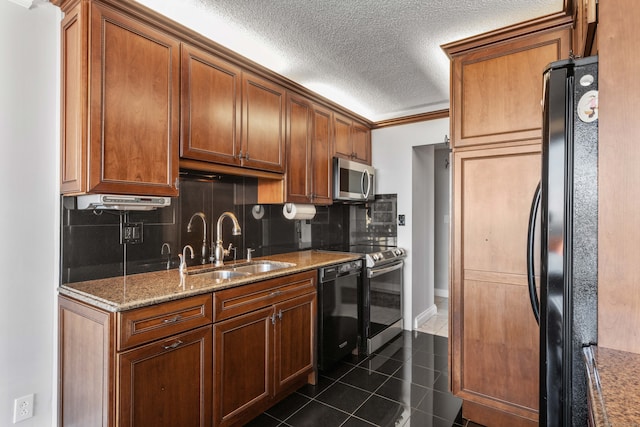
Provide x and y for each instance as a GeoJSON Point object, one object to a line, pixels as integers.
{"type": "Point", "coordinates": [138, 290]}
{"type": "Point", "coordinates": [614, 387]}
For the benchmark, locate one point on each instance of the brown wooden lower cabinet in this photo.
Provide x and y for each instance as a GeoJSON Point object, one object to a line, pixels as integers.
{"type": "Point", "coordinates": [182, 363]}
{"type": "Point", "coordinates": [264, 354]}
{"type": "Point", "coordinates": [167, 383]}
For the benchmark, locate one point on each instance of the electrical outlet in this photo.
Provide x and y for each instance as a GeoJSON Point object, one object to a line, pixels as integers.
{"type": "Point", "coordinates": [131, 232]}
{"type": "Point", "coordinates": [22, 408]}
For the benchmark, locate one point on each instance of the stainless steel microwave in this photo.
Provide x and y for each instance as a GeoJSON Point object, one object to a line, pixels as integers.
{"type": "Point", "coordinates": [353, 181]}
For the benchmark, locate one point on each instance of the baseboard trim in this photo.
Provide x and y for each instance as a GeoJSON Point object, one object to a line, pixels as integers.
{"type": "Point", "coordinates": [424, 316]}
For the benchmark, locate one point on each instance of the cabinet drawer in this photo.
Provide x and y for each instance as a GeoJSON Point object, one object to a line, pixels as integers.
{"type": "Point", "coordinates": [243, 299]}
{"type": "Point", "coordinates": [147, 324]}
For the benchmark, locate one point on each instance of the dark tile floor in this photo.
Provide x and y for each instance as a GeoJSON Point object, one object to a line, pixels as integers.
{"type": "Point", "coordinates": [404, 383]}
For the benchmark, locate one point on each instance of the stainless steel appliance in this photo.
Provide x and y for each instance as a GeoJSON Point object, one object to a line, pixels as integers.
{"type": "Point", "coordinates": [338, 311]}
{"type": "Point", "coordinates": [353, 181]}
{"type": "Point", "coordinates": [381, 296]}
{"type": "Point", "coordinates": [568, 200]}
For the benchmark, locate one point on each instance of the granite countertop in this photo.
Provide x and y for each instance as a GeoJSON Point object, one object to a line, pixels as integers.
{"type": "Point", "coordinates": [138, 290]}
{"type": "Point", "coordinates": [614, 386]}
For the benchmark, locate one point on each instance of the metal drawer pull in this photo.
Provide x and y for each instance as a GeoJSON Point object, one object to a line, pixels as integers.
{"type": "Point", "coordinates": [172, 346]}
{"type": "Point", "coordinates": [343, 345]}
{"type": "Point", "coordinates": [275, 293]}
{"type": "Point", "coordinates": [174, 319]}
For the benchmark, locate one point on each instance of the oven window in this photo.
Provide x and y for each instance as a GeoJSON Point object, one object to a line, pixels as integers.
{"type": "Point", "coordinates": [385, 300]}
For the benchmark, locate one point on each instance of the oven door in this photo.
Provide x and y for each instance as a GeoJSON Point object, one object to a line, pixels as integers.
{"type": "Point", "coordinates": [382, 304]}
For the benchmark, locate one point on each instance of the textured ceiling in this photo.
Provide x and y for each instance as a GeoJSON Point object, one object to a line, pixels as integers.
{"type": "Point", "coordinates": [378, 58]}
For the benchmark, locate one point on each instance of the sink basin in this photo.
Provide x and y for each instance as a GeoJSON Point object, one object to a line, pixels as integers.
{"type": "Point", "coordinates": [224, 274]}
{"type": "Point", "coordinates": [262, 267]}
{"type": "Point", "coordinates": [243, 270]}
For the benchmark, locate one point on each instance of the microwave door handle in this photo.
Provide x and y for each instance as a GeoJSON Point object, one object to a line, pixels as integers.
{"type": "Point", "coordinates": [366, 177]}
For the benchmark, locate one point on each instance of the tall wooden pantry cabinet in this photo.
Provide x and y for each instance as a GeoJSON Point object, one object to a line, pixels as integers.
{"type": "Point", "coordinates": [496, 120]}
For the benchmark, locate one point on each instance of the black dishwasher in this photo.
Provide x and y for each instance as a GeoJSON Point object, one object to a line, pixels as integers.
{"type": "Point", "coordinates": [338, 311]}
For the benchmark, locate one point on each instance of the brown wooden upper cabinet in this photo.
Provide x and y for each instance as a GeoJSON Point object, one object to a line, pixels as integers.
{"type": "Point", "coordinates": [496, 90]}
{"type": "Point", "coordinates": [352, 140]}
{"type": "Point", "coordinates": [120, 112]}
{"type": "Point", "coordinates": [308, 152]}
{"type": "Point", "coordinates": [211, 106]}
{"type": "Point", "coordinates": [230, 116]}
{"type": "Point", "coordinates": [263, 122]}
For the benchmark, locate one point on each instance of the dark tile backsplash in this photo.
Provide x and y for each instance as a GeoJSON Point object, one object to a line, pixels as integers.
{"type": "Point", "coordinates": [91, 247]}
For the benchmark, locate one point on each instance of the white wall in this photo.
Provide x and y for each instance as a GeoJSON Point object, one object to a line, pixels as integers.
{"type": "Point", "coordinates": [29, 212]}
{"type": "Point", "coordinates": [442, 175]}
{"type": "Point", "coordinates": [392, 155]}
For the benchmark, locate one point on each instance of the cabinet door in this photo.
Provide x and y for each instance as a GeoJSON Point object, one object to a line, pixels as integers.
{"type": "Point", "coordinates": [211, 108]}
{"type": "Point", "coordinates": [263, 111]}
{"type": "Point", "coordinates": [494, 336]}
{"type": "Point", "coordinates": [73, 93]}
{"type": "Point", "coordinates": [321, 156]}
{"type": "Point", "coordinates": [298, 150]}
{"type": "Point", "coordinates": [294, 342]}
{"type": "Point", "coordinates": [168, 382]}
{"type": "Point", "coordinates": [342, 146]}
{"type": "Point", "coordinates": [361, 138]}
{"type": "Point", "coordinates": [242, 367]}
{"type": "Point", "coordinates": [496, 91]}
{"type": "Point", "coordinates": [134, 84]}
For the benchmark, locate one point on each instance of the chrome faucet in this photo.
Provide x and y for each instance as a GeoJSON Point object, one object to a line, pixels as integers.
{"type": "Point", "coordinates": [183, 259]}
{"type": "Point", "coordinates": [168, 246]}
{"type": "Point", "coordinates": [204, 233]}
{"type": "Point", "coordinates": [220, 251]}
{"type": "Point", "coordinates": [249, 251]}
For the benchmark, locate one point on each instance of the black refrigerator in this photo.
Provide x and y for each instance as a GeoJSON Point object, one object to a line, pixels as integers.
{"type": "Point", "coordinates": [567, 204]}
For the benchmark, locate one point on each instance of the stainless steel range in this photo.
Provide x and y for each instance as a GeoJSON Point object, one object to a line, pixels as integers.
{"type": "Point", "coordinates": [380, 308]}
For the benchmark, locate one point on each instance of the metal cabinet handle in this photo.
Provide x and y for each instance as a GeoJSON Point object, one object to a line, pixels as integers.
{"type": "Point", "coordinates": [172, 346]}
{"type": "Point", "coordinates": [174, 319]}
{"type": "Point", "coordinates": [280, 314]}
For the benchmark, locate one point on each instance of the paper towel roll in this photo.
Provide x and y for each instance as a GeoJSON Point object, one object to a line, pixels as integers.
{"type": "Point", "coordinates": [295, 211]}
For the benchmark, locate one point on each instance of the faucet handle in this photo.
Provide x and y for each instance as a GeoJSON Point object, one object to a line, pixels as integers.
{"type": "Point", "coordinates": [234, 249]}
{"type": "Point", "coordinates": [249, 251]}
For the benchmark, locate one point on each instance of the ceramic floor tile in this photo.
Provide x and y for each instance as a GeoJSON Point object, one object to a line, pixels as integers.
{"type": "Point", "coordinates": [343, 397]}
{"type": "Point", "coordinates": [356, 422]}
{"type": "Point", "coordinates": [364, 379]}
{"type": "Point", "coordinates": [383, 412]}
{"type": "Point", "coordinates": [405, 383]}
{"type": "Point", "coordinates": [381, 364]}
{"type": "Point", "coordinates": [288, 406]}
{"type": "Point", "coordinates": [404, 392]}
{"type": "Point", "coordinates": [443, 405]}
{"type": "Point", "coordinates": [317, 414]}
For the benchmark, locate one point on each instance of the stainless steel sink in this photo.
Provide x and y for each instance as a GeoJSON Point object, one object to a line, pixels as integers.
{"type": "Point", "coordinates": [243, 270]}
{"type": "Point", "coordinates": [224, 274]}
{"type": "Point", "coordinates": [262, 266]}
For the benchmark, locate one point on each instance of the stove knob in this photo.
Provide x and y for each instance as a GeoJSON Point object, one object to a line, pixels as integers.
{"type": "Point", "coordinates": [375, 257]}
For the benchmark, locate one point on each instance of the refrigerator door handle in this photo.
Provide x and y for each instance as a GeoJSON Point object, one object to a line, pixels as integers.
{"type": "Point", "coordinates": [531, 279]}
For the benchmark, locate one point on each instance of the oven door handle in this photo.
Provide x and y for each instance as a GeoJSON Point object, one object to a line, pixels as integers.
{"type": "Point", "coordinates": [374, 272]}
